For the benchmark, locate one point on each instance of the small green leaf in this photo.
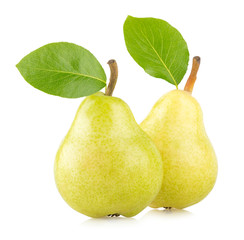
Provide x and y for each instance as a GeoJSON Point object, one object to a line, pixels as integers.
{"type": "Point", "coordinates": [157, 47]}
{"type": "Point", "coordinates": [63, 69]}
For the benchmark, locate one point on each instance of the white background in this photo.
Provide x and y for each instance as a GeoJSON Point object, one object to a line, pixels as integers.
{"type": "Point", "coordinates": [33, 123]}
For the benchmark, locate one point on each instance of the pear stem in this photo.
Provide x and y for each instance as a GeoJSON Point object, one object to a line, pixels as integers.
{"type": "Point", "coordinates": [193, 75]}
{"type": "Point", "coordinates": [113, 77]}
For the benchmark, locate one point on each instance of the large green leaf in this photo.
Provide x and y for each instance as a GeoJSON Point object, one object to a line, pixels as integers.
{"type": "Point", "coordinates": [157, 47]}
{"type": "Point", "coordinates": [63, 69]}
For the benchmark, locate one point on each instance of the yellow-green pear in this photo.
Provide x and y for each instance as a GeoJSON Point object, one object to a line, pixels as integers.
{"type": "Point", "coordinates": [176, 126]}
{"type": "Point", "coordinates": [107, 165]}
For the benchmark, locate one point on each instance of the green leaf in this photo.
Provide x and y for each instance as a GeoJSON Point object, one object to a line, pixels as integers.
{"type": "Point", "coordinates": [157, 47]}
{"type": "Point", "coordinates": [63, 69]}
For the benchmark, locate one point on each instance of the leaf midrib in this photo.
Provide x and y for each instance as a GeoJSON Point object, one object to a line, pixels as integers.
{"type": "Point", "coordinates": [161, 60]}
{"type": "Point", "coordinates": [72, 73]}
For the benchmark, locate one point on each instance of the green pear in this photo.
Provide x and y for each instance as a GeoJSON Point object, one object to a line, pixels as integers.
{"type": "Point", "coordinates": [176, 126]}
{"type": "Point", "coordinates": [107, 165]}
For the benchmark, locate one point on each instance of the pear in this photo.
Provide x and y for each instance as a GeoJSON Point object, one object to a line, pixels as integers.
{"type": "Point", "coordinates": [176, 126]}
{"type": "Point", "coordinates": [107, 165]}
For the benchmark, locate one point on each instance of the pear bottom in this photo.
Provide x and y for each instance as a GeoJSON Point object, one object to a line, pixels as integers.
{"type": "Point", "coordinates": [110, 185]}
{"type": "Point", "coordinates": [185, 185]}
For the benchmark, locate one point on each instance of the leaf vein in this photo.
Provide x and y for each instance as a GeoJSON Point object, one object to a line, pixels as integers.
{"type": "Point", "coordinates": [71, 73]}
{"type": "Point", "coordinates": [161, 60]}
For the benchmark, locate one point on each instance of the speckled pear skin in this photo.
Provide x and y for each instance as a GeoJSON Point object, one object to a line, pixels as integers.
{"type": "Point", "coordinates": [175, 124]}
{"type": "Point", "coordinates": [107, 164]}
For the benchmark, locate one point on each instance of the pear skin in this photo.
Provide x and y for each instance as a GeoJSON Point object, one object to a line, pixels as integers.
{"type": "Point", "coordinates": [176, 126]}
{"type": "Point", "coordinates": [107, 164]}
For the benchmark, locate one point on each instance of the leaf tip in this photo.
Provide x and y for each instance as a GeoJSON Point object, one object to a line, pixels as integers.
{"type": "Point", "coordinates": [17, 65]}
{"type": "Point", "coordinates": [129, 17]}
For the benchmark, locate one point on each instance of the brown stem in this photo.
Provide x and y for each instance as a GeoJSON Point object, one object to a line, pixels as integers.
{"type": "Point", "coordinates": [113, 77]}
{"type": "Point", "coordinates": [193, 75]}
